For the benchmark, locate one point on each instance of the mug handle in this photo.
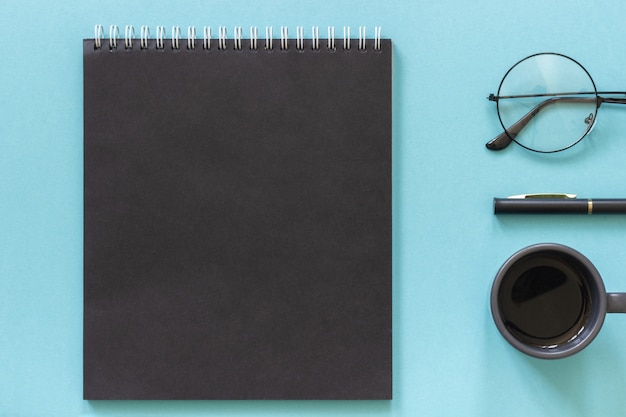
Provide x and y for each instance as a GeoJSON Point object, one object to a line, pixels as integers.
{"type": "Point", "coordinates": [617, 302]}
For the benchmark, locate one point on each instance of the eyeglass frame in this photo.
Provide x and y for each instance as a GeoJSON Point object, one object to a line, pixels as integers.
{"type": "Point", "coordinates": [509, 134]}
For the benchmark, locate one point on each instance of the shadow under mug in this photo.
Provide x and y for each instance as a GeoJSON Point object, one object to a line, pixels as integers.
{"type": "Point", "coordinates": [549, 301]}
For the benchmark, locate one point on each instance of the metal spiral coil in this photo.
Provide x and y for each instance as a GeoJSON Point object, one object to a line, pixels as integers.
{"type": "Point", "coordinates": [237, 41]}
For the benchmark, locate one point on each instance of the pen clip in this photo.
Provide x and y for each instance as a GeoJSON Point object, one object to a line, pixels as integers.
{"type": "Point", "coordinates": [541, 195]}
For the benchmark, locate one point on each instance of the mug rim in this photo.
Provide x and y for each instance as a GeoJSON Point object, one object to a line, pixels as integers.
{"type": "Point", "coordinates": [594, 281]}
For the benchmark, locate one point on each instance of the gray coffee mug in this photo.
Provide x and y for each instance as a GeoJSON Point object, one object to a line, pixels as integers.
{"type": "Point", "coordinates": [549, 301]}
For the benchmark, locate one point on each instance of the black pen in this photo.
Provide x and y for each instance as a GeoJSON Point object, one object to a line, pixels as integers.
{"type": "Point", "coordinates": [557, 204]}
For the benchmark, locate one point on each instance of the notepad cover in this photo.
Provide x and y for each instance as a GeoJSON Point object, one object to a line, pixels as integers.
{"type": "Point", "coordinates": [237, 223]}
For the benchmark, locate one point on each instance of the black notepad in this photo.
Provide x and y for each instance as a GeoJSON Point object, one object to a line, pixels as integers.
{"type": "Point", "coordinates": [237, 219]}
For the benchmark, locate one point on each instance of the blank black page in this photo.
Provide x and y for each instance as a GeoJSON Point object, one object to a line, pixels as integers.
{"type": "Point", "coordinates": [237, 222]}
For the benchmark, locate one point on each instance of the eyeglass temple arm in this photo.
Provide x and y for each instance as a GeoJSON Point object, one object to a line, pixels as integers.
{"type": "Point", "coordinates": [611, 100]}
{"type": "Point", "coordinates": [505, 138]}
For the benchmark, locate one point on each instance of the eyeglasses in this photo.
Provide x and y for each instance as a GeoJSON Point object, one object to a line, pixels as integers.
{"type": "Point", "coordinates": [546, 103]}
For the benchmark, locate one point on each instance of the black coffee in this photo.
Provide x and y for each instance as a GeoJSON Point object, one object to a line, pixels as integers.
{"type": "Point", "coordinates": [544, 303]}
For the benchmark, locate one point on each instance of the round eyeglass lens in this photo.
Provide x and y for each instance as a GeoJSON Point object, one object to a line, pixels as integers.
{"type": "Point", "coordinates": [547, 102]}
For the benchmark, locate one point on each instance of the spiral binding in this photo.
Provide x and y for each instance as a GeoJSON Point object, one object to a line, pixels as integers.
{"type": "Point", "coordinates": [237, 44]}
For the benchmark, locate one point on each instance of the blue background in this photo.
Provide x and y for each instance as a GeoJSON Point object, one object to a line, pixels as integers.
{"type": "Point", "coordinates": [449, 359]}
